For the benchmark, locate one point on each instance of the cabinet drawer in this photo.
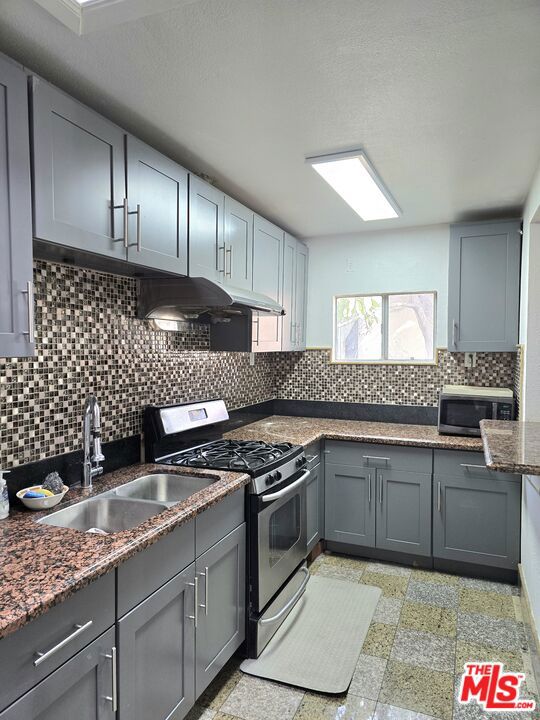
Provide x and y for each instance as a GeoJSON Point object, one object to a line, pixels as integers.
{"type": "Point", "coordinates": [313, 454]}
{"type": "Point", "coordinates": [375, 455]}
{"type": "Point", "coordinates": [91, 608]}
{"type": "Point", "coordinates": [219, 520]}
{"type": "Point", "coordinates": [151, 568]}
{"type": "Point", "coordinates": [466, 464]}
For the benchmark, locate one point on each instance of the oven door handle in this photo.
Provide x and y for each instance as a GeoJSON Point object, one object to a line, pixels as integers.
{"type": "Point", "coordinates": [286, 490]}
{"type": "Point", "coordinates": [291, 602]}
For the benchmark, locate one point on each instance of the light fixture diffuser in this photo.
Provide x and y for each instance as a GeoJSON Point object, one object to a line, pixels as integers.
{"type": "Point", "coordinates": [354, 178]}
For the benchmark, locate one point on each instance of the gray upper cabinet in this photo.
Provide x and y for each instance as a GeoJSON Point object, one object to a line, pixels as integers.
{"type": "Point", "coordinates": [349, 505]}
{"type": "Point", "coordinates": [404, 512]}
{"type": "Point", "coordinates": [79, 174]}
{"type": "Point", "coordinates": [157, 191]}
{"type": "Point", "coordinates": [16, 288]}
{"type": "Point", "coordinates": [156, 650]}
{"type": "Point", "coordinates": [295, 256]}
{"type": "Point", "coordinates": [483, 288]}
{"type": "Point", "coordinates": [238, 243]}
{"type": "Point", "coordinates": [221, 573]}
{"type": "Point", "coordinates": [477, 520]}
{"type": "Point", "coordinates": [206, 246]}
{"type": "Point", "coordinates": [82, 688]}
{"type": "Point", "coordinates": [268, 242]}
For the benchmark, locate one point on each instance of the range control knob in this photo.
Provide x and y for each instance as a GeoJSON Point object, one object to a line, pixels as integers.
{"type": "Point", "coordinates": [277, 476]}
{"type": "Point", "coordinates": [269, 479]}
{"type": "Point", "coordinates": [301, 461]}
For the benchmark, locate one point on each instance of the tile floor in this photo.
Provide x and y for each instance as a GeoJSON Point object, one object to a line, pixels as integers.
{"type": "Point", "coordinates": [426, 626]}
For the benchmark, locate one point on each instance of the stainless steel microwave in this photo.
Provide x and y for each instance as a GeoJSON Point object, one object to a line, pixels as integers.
{"type": "Point", "coordinates": [461, 407]}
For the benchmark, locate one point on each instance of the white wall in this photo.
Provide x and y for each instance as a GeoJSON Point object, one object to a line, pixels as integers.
{"type": "Point", "coordinates": [405, 260]}
{"type": "Point", "coordinates": [530, 403]}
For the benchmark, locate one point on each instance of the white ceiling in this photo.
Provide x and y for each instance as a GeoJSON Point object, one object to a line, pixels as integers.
{"type": "Point", "coordinates": [444, 97]}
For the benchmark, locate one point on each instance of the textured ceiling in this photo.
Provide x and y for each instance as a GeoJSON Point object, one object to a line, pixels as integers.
{"type": "Point", "coordinates": [444, 96]}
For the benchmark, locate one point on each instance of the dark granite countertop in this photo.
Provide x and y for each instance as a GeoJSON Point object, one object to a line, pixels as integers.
{"type": "Point", "coordinates": [305, 430]}
{"type": "Point", "coordinates": [41, 565]}
{"type": "Point", "coordinates": [511, 446]}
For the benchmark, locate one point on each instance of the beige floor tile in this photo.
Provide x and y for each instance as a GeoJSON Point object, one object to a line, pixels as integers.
{"type": "Point", "coordinates": [428, 618]}
{"type": "Point", "coordinates": [201, 713]}
{"type": "Point", "coordinates": [256, 699]}
{"type": "Point", "coordinates": [379, 640]}
{"type": "Point", "coordinates": [389, 712]}
{"type": "Point", "coordinates": [419, 689]}
{"type": "Point", "coordinates": [432, 576]}
{"type": "Point", "coordinates": [368, 676]}
{"type": "Point", "coordinates": [223, 716]}
{"type": "Point", "coordinates": [340, 707]}
{"type": "Point", "coordinates": [388, 610]}
{"type": "Point", "coordinates": [486, 603]}
{"type": "Point", "coordinates": [391, 585]}
{"type": "Point", "coordinates": [338, 572]}
{"type": "Point", "coordinates": [389, 569]}
{"type": "Point", "coordinates": [517, 608]}
{"type": "Point", "coordinates": [219, 689]}
{"type": "Point", "coordinates": [343, 561]}
{"type": "Point", "coordinates": [470, 652]}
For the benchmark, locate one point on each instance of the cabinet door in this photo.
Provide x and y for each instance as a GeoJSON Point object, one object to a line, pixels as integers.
{"type": "Point", "coordinates": [267, 279]}
{"type": "Point", "coordinates": [16, 289]}
{"type": "Point", "coordinates": [221, 574]}
{"type": "Point", "coordinates": [206, 246]}
{"type": "Point", "coordinates": [483, 289]}
{"type": "Point", "coordinates": [300, 290]}
{"type": "Point", "coordinates": [350, 504]}
{"type": "Point", "coordinates": [159, 188]}
{"type": "Point", "coordinates": [404, 511]}
{"type": "Point", "coordinates": [238, 245]}
{"type": "Point", "coordinates": [313, 507]}
{"type": "Point", "coordinates": [476, 520]}
{"type": "Point", "coordinates": [82, 688]}
{"type": "Point", "coordinates": [156, 650]}
{"type": "Point", "coordinates": [288, 340]}
{"type": "Point", "coordinates": [79, 174]}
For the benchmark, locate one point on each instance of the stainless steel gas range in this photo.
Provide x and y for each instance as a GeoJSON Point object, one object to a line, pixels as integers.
{"type": "Point", "coordinates": [191, 435]}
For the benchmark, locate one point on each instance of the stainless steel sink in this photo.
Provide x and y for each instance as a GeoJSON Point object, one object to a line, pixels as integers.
{"type": "Point", "coordinates": [163, 487]}
{"type": "Point", "coordinates": [107, 514]}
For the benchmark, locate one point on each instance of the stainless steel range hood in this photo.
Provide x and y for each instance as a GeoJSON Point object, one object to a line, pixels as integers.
{"type": "Point", "coordinates": [188, 297]}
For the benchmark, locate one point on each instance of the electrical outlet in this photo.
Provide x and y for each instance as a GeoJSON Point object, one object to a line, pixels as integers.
{"type": "Point", "coordinates": [349, 265]}
{"type": "Point", "coordinates": [470, 360]}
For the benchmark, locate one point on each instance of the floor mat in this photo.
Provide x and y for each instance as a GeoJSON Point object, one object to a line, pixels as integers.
{"type": "Point", "coordinates": [318, 645]}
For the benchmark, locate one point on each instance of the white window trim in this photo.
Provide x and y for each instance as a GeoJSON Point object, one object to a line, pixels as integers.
{"type": "Point", "coordinates": [99, 14]}
{"type": "Point", "coordinates": [384, 322]}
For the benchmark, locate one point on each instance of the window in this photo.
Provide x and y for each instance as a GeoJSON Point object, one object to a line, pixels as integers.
{"type": "Point", "coordinates": [389, 327]}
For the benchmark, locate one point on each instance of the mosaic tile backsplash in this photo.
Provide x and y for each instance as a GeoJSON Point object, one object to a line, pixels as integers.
{"type": "Point", "coordinates": [89, 340]}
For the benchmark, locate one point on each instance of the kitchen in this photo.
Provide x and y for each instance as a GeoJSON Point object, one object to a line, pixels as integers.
{"type": "Point", "coordinates": [269, 433]}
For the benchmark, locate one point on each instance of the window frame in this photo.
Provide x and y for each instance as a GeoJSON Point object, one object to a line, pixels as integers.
{"type": "Point", "coordinates": [384, 328]}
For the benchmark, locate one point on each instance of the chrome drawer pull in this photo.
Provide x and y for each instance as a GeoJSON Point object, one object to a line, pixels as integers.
{"type": "Point", "coordinates": [291, 602]}
{"type": "Point", "coordinates": [381, 490]}
{"type": "Point", "coordinates": [375, 457]}
{"type": "Point", "coordinates": [369, 488]}
{"type": "Point", "coordinates": [467, 466]}
{"type": "Point", "coordinates": [311, 458]}
{"type": "Point", "coordinates": [114, 698]}
{"type": "Point", "coordinates": [206, 576]}
{"type": "Point", "coordinates": [29, 292]}
{"type": "Point", "coordinates": [438, 497]}
{"type": "Point", "coordinates": [195, 616]}
{"type": "Point", "coordinates": [42, 656]}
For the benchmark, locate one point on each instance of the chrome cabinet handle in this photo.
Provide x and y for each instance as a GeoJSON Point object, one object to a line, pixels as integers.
{"type": "Point", "coordinates": [229, 251]}
{"type": "Point", "coordinates": [375, 457]}
{"type": "Point", "coordinates": [455, 334]}
{"type": "Point", "coordinates": [206, 576]}
{"type": "Point", "coordinates": [286, 490]}
{"type": "Point", "coordinates": [380, 489]}
{"type": "Point", "coordinates": [369, 488]}
{"type": "Point", "coordinates": [291, 602]}
{"type": "Point", "coordinates": [43, 656]}
{"type": "Point", "coordinates": [468, 466]}
{"type": "Point", "coordinates": [113, 699]}
{"type": "Point", "coordinates": [438, 497]}
{"type": "Point", "coordinates": [139, 232]}
{"type": "Point", "coordinates": [195, 586]}
{"type": "Point", "coordinates": [257, 321]}
{"type": "Point", "coordinates": [29, 292]}
{"type": "Point", "coordinates": [125, 215]}
{"type": "Point", "coordinates": [221, 248]}
{"type": "Point", "coordinates": [311, 458]}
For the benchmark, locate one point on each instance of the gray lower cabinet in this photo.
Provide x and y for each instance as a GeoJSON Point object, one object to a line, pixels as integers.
{"type": "Point", "coordinates": [221, 576]}
{"type": "Point", "coordinates": [483, 287]}
{"type": "Point", "coordinates": [477, 520]}
{"type": "Point", "coordinates": [156, 653]}
{"type": "Point", "coordinates": [157, 190]}
{"type": "Point", "coordinates": [314, 505]}
{"type": "Point", "coordinates": [16, 289]}
{"type": "Point", "coordinates": [404, 512]}
{"type": "Point", "coordinates": [206, 246]}
{"type": "Point", "coordinates": [82, 688]}
{"type": "Point", "coordinates": [350, 505]}
{"type": "Point", "coordinates": [79, 174]}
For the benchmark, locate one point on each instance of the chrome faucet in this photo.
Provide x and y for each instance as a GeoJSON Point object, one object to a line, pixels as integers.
{"type": "Point", "coordinates": [91, 442]}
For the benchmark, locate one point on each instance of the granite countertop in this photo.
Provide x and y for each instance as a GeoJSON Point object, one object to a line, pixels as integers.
{"type": "Point", "coordinates": [305, 430]}
{"type": "Point", "coordinates": [511, 446]}
{"type": "Point", "coordinates": [41, 565]}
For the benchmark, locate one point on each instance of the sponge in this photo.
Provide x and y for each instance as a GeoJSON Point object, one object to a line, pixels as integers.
{"type": "Point", "coordinates": [53, 482]}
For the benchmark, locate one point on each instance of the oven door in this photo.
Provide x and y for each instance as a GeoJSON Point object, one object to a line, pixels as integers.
{"type": "Point", "coordinates": [281, 537]}
{"type": "Point", "coordinates": [462, 415]}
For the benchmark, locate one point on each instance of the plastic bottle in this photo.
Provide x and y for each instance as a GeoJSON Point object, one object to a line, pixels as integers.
{"type": "Point", "coordinates": [4, 499]}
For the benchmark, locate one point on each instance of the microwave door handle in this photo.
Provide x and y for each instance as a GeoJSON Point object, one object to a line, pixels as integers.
{"type": "Point", "coordinates": [286, 490]}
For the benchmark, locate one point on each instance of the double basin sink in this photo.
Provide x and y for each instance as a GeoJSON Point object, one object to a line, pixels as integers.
{"type": "Point", "coordinates": [128, 505]}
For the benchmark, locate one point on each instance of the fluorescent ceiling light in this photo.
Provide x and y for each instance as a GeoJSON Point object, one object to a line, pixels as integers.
{"type": "Point", "coordinates": [353, 177]}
